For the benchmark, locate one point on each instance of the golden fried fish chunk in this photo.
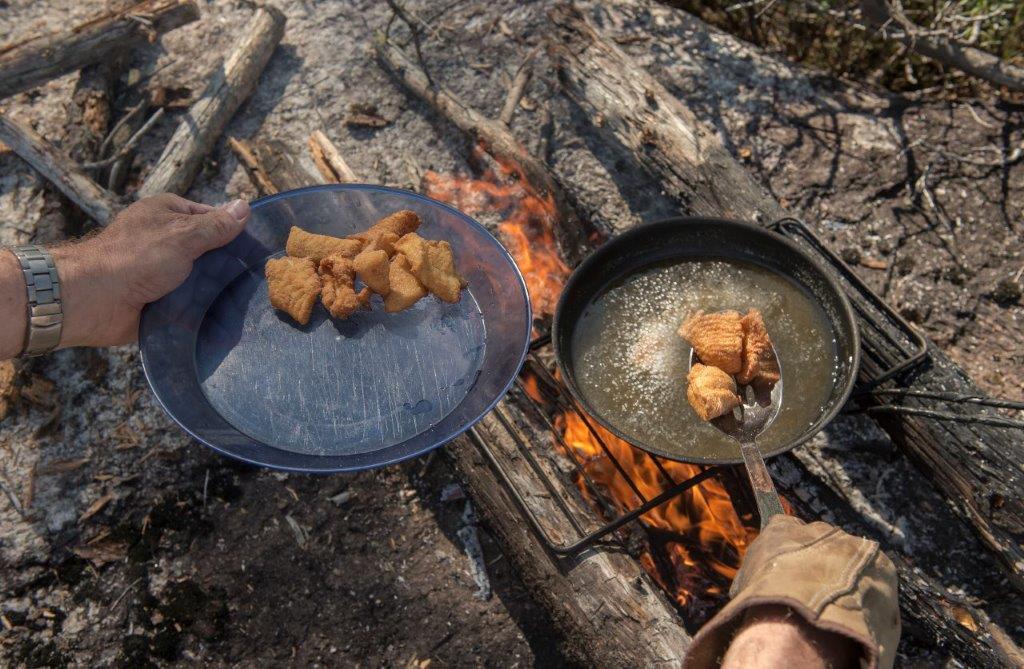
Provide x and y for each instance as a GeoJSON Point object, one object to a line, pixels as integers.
{"type": "Point", "coordinates": [293, 285]}
{"type": "Point", "coordinates": [406, 289]}
{"type": "Point", "coordinates": [759, 363]}
{"type": "Point", "coordinates": [399, 223]}
{"type": "Point", "coordinates": [339, 295]}
{"type": "Point", "coordinates": [384, 242]}
{"type": "Point", "coordinates": [302, 244]}
{"type": "Point", "coordinates": [717, 338]}
{"type": "Point", "coordinates": [711, 392]}
{"type": "Point", "coordinates": [433, 263]}
{"type": "Point", "coordinates": [372, 267]}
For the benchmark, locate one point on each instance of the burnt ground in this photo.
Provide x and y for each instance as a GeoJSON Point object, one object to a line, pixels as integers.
{"type": "Point", "coordinates": [111, 553]}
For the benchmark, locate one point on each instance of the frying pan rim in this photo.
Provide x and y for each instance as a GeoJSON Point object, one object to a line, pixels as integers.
{"type": "Point", "coordinates": [623, 238]}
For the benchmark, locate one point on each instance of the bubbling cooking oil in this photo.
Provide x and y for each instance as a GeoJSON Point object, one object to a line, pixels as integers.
{"type": "Point", "coordinates": [631, 364]}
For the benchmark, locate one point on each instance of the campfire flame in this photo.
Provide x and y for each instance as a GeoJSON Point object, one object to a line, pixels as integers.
{"type": "Point", "coordinates": [697, 538]}
{"type": "Point", "coordinates": [526, 228]}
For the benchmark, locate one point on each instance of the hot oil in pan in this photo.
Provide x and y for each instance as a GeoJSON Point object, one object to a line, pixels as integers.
{"type": "Point", "coordinates": [631, 364]}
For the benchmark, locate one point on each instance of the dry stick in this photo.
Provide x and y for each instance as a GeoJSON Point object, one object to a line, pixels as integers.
{"type": "Point", "coordinates": [328, 160]}
{"type": "Point", "coordinates": [519, 83]}
{"type": "Point", "coordinates": [271, 165]}
{"type": "Point", "coordinates": [38, 59]}
{"type": "Point", "coordinates": [494, 137]}
{"type": "Point", "coordinates": [129, 145]}
{"type": "Point", "coordinates": [971, 60]}
{"type": "Point", "coordinates": [970, 465]}
{"type": "Point", "coordinates": [99, 204]}
{"type": "Point", "coordinates": [207, 117]}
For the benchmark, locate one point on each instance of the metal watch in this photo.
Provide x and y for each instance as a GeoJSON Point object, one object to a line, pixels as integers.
{"type": "Point", "coordinates": [45, 314]}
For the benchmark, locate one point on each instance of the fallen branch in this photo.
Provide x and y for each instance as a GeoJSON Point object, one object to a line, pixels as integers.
{"type": "Point", "coordinates": [233, 82]}
{"type": "Point", "coordinates": [973, 466]}
{"type": "Point", "coordinates": [328, 160]}
{"type": "Point", "coordinates": [69, 179]}
{"type": "Point", "coordinates": [971, 60]}
{"type": "Point", "coordinates": [271, 166]}
{"type": "Point", "coordinates": [38, 59]}
{"type": "Point", "coordinates": [519, 83]}
{"type": "Point", "coordinates": [494, 137]}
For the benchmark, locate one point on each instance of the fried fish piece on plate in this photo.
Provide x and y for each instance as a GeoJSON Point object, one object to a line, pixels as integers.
{"type": "Point", "coordinates": [399, 223]}
{"type": "Point", "coordinates": [717, 339]}
{"type": "Point", "coordinates": [406, 289]}
{"type": "Point", "coordinates": [302, 244]}
{"type": "Point", "coordinates": [383, 242]}
{"type": "Point", "coordinates": [374, 270]}
{"type": "Point", "coordinates": [711, 392]}
{"type": "Point", "coordinates": [339, 280]}
{"type": "Point", "coordinates": [433, 263]}
{"type": "Point", "coordinates": [293, 285]}
{"type": "Point", "coordinates": [759, 363]}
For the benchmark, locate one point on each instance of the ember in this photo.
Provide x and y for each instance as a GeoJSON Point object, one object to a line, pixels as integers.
{"type": "Point", "coordinates": [697, 539]}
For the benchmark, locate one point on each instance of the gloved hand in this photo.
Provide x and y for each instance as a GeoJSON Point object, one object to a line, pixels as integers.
{"type": "Point", "coordinates": [836, 583]}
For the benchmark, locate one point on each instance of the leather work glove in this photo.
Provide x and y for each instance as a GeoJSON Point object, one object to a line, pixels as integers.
{"type": "Point", "coordinates": [836, 582]}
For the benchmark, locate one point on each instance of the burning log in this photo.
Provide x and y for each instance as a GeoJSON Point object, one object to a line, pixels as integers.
{"type": "Point", "coordinates": [26, 64]}
{"type": "Point", "coordinates": [973, 466]}
{"type": "Point", "coordinates": [494, 137]}
{"type": "Point", "coordinates": [233, 82]}
{"type": "Point", "coordinates": [99, 204]}
{"type": "Point", "coordinates": [894, 24]}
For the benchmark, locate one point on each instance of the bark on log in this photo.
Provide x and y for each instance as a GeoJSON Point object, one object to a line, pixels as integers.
{"type": "Point", "coordinates": [975, 467]}
{"type": "Point", "coordinates": [46, 159]}
{"type": "Point", "coordinates": [271, 166]}
{"type": "Point", "coordinates": [605, 606]}
{"type": "Point", "coordinates": [495, 138]}
{"type": "Point", "coordinates": [893, 24]}
{"type": "Point", "coordinates": [233, 82]}
{"type": "Point", "coordinates": [30, 62]}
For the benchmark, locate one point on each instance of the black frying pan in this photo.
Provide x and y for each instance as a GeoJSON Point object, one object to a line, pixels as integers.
{"type": "Point", "coordinates": [743, 245]}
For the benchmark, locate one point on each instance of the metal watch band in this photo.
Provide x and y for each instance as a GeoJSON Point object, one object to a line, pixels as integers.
{"type": "Point", "coordinates": [45, 314]}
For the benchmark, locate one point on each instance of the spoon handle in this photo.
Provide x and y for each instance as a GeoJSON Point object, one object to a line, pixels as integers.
{"type": "Point", "coordinates": [768, 502]}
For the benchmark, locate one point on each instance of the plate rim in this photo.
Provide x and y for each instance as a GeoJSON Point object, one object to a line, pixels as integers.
{"type": "Point", "coordinates": [267, 199]}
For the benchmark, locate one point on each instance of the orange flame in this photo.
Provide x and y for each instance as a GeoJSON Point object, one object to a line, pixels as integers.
{"type": "Point", "coordinates": [699, 535]}
{"type": "Point", "coordinates": [526, 229]}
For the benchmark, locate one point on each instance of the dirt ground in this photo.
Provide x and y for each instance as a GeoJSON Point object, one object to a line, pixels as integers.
{"type": "Point", "coordinates": [124, 543]}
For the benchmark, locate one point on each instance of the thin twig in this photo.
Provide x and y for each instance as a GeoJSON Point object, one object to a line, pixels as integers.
{"type": "Point", "coordinates": [129, 145]}
{"type": "Point", "coordinates": [519, 83]}
{"type": "Point", "coordinates": [128, 116]}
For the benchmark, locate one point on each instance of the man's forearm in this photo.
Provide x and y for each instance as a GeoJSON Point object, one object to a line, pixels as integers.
{"type": "Point", "coordinates": [13, 301]}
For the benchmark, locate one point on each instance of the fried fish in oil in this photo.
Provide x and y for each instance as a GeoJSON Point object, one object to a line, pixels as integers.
{"type": "Point", "coordinates": [759, 363]}
{"type": "Point", "coordinates": [406, 289]}
{"type": "Point", "coordinates": [293, 285]}
{"type": "Point", "coordinates": [711, 392]}
{"type": "Point", "coordinates": [302, 244]}
{"type": "Point", "coordinates": [717, 338]}
{"type": "Point", "coordinates": [373, 268]}
{"type": "Point", "coordinates": [399, 223]}
{"type": "Point", "coordinates": [433, 263]}
{"type": "Point", "coordinates": [339, 295]}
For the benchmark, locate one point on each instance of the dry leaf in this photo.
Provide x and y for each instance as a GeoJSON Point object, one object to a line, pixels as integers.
{"type": "Point", "coordinates": [528, 104]}
{"type": "Point", "coordinates": [873, 263]}
{"type": "Point", "coordinates": [102, 553]}
{"type": "Point", "coordinates": [9, 390]}
{"type": "Point", "coordinates": [745, 152]}
{"type": "Point", "coordinates": [61, 466]}
{"type": "Point", "coordinates": [96, 507]}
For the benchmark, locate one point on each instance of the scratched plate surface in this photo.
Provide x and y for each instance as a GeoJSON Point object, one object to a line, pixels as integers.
{"type": "Point", "coordinates": [334, 395]}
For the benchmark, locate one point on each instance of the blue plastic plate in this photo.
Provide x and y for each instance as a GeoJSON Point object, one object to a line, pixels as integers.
{"type": "Point", "coordinates": [334, 395]}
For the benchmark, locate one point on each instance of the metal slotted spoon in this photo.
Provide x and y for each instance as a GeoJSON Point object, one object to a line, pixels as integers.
{"type": "Point", "coordinates": [745, 424]}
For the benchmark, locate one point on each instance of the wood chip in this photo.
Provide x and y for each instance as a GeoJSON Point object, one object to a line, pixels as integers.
{"type": "Point", "coordinates": [62, 466]}
{"type": "Point", "coordinates": [361, 114]}
{"type": "Point", "coordinates": [96, 507]}
{"type": "Point", "coordinates": [873, 263]}
{"type": "Point", "coordinates": [101, 553]}
{"type": "Point", "coordinates": [9, 390]}
{"type": "Point", "coordinates": [964, 617]}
